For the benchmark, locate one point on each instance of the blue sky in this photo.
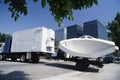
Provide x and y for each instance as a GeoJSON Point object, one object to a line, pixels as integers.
{"type": "Point", "coordinates": [105, 12]}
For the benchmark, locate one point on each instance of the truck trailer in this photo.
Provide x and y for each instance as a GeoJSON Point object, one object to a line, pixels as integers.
{"type": "Point", "coordinates": [85, 50]}
{"type": "Point", "coordinates": [29, 45]}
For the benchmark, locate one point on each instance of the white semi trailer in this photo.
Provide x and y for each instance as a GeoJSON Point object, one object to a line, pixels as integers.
{"type": "Point", "coordinates": [29, 45]}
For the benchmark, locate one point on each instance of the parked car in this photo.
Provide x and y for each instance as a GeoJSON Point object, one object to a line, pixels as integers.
{"type": "Point", "coordinates": [108, 59]}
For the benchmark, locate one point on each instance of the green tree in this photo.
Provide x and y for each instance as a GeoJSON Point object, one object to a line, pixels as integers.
{"type": "Point", "coordinates": [60, 9]}
{"type": "Point", "coordinates": [3, 37]}
{"type": "Point", "coordinates": [114, 30]}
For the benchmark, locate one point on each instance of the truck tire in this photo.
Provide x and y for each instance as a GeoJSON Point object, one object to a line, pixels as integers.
{"type": "Point", "coordinates": [23, 58]}
{"type": "Point", "coordinates": [35, 58]}
{"type": "Point", "coordinates": [1, 57]}
{"type": "Point", "coordinates": [13, 59]}
{"type": "Point", "coordinates": [82, 64]}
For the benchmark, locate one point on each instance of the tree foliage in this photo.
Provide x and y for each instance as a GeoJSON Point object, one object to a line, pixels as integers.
{"type": "Point", "coordinates": [17, 7]}
{"type": "Point", "coordinates": [3, 37]}
{"type": "Point", "coordinates": [114, 28]}
{"type": "Point", "coordinates": [60, 9]}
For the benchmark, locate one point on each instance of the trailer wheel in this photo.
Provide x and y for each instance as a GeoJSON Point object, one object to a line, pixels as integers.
{"type": "Point", "coordinates": [82, 64]}
{"type": "Point", "coordinates": [1, 57]}
{"type": "Point", "coordinates": [13, 59]}
{"type": "Point", "coordinates": [23, 58]}
{"type": "Point", "coordinates": [35, 58]}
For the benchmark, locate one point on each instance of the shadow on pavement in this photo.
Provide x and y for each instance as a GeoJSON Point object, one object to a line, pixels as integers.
{"type": "Point", "coordinates": [40, 62]}
{"type": "Point", "coordinates": [91, 69]}
{"type": "Point", "coordinates": [72, 67]}
{"type": "Point", "coordinates": [15, 75]}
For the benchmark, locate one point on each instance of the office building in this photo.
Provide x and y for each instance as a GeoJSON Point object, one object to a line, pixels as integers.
{"type": "Point", "coordinates": [73, 31]}
{"type": "Point", "coordinates": [96, 29]}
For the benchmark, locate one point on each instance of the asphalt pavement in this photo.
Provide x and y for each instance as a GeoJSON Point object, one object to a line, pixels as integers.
{"type": "Point", "coordinates": [56, 70]}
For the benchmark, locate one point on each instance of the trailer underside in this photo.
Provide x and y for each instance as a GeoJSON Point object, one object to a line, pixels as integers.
{"type": "Point", "coordinates": [81, 62]}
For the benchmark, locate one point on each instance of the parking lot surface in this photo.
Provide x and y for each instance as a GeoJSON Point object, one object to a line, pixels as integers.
{"type": "Point", "coordinates": [56, 70]}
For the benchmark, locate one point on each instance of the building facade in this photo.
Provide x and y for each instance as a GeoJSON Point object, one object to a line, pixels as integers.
{"type": "Point", "coordinates": [96, 29]}
{"type": "Point", "coordinates": [73, 31]}
{"type": "Point", "coordinates": [93, 28]}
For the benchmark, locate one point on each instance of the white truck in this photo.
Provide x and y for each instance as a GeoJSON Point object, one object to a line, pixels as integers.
{"type": "Point", "coordinates": [29, 45]}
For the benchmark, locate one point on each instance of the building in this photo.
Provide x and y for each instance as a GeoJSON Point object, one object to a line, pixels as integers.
{"type": "Point", "coordinates": [93, 28]}
{"type": "Point", "coordinates": [73, 31]}
{"type": "Point", "coordinates": [96, 29]}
